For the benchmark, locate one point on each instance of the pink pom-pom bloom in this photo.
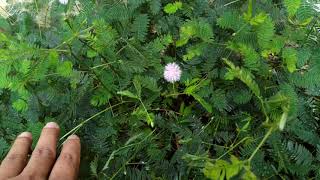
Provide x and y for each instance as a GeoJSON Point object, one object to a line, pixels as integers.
{"type": "Point", "coordinates": [172, 72]}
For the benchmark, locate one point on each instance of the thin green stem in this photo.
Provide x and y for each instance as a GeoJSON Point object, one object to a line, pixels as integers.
{"type": "Point", "coordinates": [250, 7]}
{"type": "Point", "coordinates": [134, 48]}
{"type": "Point", "coordinates": [270, 87]}
{"type": "Point", "coordinates": [205, 127]}
{"type": "Point", "coordinates": [149, 117]}
{"type": "Point", "coordinates": [311, 29]}
{"type": "Point", "coordinates": [177, 94]}
{"type": "Point", "coordinates": [232, 2]}
{"type": "Point", "coordinates": [166, 110]}
{"type": "Point", "coordinates": [264, 109]}
{"type": "Point", "coordinates": [261, 144]}
{"type": "Point", "coordinates": [219, 44]}
{"type": "Point", "coordinates": [241, 28]}
{"type": "Point", "coordinates": [277, 101]}
{"type": "Point", "coordinates": [75, 35]}
{"type": "Point", "coordinates": [102, 65]}
{"type": "Point", "coordinates": [75, 129]}
{"type": "Point", "coordinates": [231, 148]}
{"type": "Point", "coordinates": [173, 88]}
{"type": "Point", "coordinates": [121, 49]}
{"type": "Point", "coordinates": [58, 50]}
{"type": "Point", "coordinates": [124, 147]}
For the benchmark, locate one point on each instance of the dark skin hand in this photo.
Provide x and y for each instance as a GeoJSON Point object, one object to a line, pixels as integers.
{"type": "Point", "coordinates": [42, 163]}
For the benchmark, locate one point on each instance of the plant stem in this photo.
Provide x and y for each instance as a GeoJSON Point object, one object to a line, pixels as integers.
{"type": "Point", "coordinates": [75, 129]}
{"type": "Point", "coordinates": [205, 127]}
{"type": "Point", "coordinates": [231, 148]}
{"type": "Point", "coordinates": [264, 109]}
{"type": "Point", "coordinates": [149, 117]}
{"type": "Point", "coordinates": [169, 95]}
{"type": "Point", "coordinates": [232, 2]}
{"type": "Point", "coordinates": [261, 143]}
{"type": "Point", "coordinates": [250, 4]}
{"type": "Point", "coordinates": [173, 88]}
{"type": "Point", "coordinates": [124, 147]}
{"type": "Point", "coordinates": [74, 36]}
{"type": "Point", "coordinates": [102, 65]}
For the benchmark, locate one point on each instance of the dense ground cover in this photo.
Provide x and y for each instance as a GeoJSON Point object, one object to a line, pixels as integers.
{"type": "Point", "coordinates": [246, 104]}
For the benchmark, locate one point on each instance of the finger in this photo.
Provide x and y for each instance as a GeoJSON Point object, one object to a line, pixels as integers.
{"type": "Point", "coordinates": [44, 154]}
{"type": "Point", "coordinates": [67, 165]}
{"type": "Point", "coordinates": [17, 157]}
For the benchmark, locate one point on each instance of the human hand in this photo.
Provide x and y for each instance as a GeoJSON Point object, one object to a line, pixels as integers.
{"type": "Point", "coordinates": [42, 163]}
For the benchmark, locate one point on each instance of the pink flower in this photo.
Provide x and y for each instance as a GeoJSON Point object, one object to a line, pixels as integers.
{"type": "Point", "coordinates": [172, 72]}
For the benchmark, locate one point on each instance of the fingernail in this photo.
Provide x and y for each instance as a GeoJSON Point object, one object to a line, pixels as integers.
{"type": "Point", "coordinates": [73, 137]}
{"type": "Point", "coordinates": [52, 125]}
{"type": "Point", "coordinates": [25, 135]}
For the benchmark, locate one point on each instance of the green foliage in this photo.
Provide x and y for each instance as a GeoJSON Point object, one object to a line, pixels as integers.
{"type": "Point", "coordinates": [299, 154]}
{"type": "Point", "coordinates": [244, 75]}
{"type": "Point", "coordinates": [230, 20]}
{"type": "Point", "coordinates": [292, 6]}
{"type": "Point", "coordinates": [258, 19]}
{"type": "Point", "coordinates": [246, 106]}
{"type": "Point", "coordinates": [65, 69]}
{"type": "Point", "coordinates": [172, 8]}
{"type": "Point", "coordinates": [140, 26]}
{"type": "Point", "coordinates": [290, 57]}
{"type": "Point", "coordinates": [265, 32]}
{"type": "Point", "coordinates": [251, 57]}
{"type": "Point", "coordinates": [20, 105]}
{"type": "Point", "coordinates": [195, 29]}
{"type": "Point", "coordinates": [222, 169]}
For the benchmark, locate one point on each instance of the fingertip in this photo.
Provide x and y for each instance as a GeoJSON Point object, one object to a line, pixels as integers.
{"type": "Point", "coordinates": [52, 125]}
{"type": "Point", "coordinates": [73, 137]}
{"type": "Point", "coordinates": [16, 159]}
{"type": "Point", "coordinates": [73, 143]}
{"type": "Point", "coordinates": [44, 154]}
{"type": "Point", "coordinates": [68, 162]}
{"type": "Point", "coordinates": [27, 135]}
